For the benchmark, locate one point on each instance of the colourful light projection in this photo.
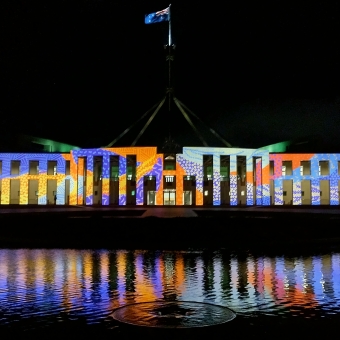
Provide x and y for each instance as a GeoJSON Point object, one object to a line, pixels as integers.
{"type": "Point", "coordinates": [315, 177]}
{"type": "Point", "coordinates": [87, 283]}
{"type": "Point", "coordinates": [148, 163]}
{"type": "Point", "coordinates": [42, 176]}
{"type": "Point", "coordinates": [82, 186]}
{"type": "Point", "coordinates": [191, 161]}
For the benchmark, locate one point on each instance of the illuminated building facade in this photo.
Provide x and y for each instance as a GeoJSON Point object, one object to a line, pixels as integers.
{"type": "Point", "coordinates": [141, 176]}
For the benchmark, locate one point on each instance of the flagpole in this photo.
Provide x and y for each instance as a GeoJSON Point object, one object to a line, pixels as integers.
{"type": "Point", "coordinates": [170, 40]}
{"type": "Point", "coordinates": [169, 56]}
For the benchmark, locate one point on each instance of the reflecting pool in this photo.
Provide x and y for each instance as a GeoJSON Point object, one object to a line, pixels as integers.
{"type": "Point", "coordinates": [53, 285]}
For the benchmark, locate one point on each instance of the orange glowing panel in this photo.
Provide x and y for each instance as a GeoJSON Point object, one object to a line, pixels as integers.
{"type": "Point", "coordinates": [180, 173]}
{"type": "Point", "coordinates": [74, 175]}
{"type": "Point", "coordinates": [89, 184]}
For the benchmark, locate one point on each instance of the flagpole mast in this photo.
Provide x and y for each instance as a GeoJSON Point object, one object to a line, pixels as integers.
{"type": "Point", "coordinates": [170, 40]}
{"type": "Point", "coordinates": [169, 57]}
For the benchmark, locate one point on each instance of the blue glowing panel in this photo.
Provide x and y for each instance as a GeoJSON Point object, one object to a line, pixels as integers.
{"type": "Point", "coordinates": [122, 199]}
{"type": "Point", "coordinates": [89, 188]}
{"type": "Point", "coordinates": [265, 194]}
{"type": "Point", "coordinates": [250, 197]}
{"type": "Point", "coordinates": [233, 180]}
{"type": "Point", "coordinates": [140, 191]}
{"type": "Point", "coordinates": [297, 192]}
{"type": "Point", "coordinates": [249, 184]}
{"type": "Point", "coordinates": [106, 166]}
{"type": "Point", "coordinates": [334, 193]}
{"type": "Point", "coordinates": [315, 188]}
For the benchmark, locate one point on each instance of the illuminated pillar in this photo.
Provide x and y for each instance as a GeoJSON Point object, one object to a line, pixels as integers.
{"type": "Point", "coordinates": [297, 199]}
{"type": "Point", "coordinates": [250, 181]}
{"type": "Point", "coordinates": [74, 181]}
{"type": "Point", "coordinates": [106, 179]}
{"type": "Point", "coordinates": [23, 199]}
{"type": "Point", "coordinates": [216, 180]}
{"type": "Point", "coordinates": [278, 186]}
{"type": "Point", "coordinates": [80, 176]}
{"type": "Point", "coordinates": [334, 193]}
{"type": "Point", "coordinates": [89, 181]}
{"type": "Point", "coordinates": [265, 180]}
{"type": "Point", "coordinates": [233, 180]}
{"type": "Point", "coordinates": [42, 191]}
{"type": "Point", "coordinates": [159, 183]}
{"type": "Point", "coordinates": [315, 188]}
{"type": "Point", "coordinates": [5, 186]}
{"type": "Point", "coordinates": [199, 183]}
{"type": "Point", "coordinates": [333, 183]}
{"type": "Point", "coordinates": [180, 173]}
{"type": "Point", "coordinates": [61, 171]}
{"type": "Point", "coordinates": [315, 183]}
{"type": "Point", "coordinates": [258, 174]}
{"type": "Point", "coordinates": [139, 182]}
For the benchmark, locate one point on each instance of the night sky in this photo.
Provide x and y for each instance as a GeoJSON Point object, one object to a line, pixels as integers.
{"type": "Point", "coordinates": [81, 71]}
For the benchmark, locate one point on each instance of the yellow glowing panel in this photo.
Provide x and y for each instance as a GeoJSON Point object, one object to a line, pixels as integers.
{"type": "Point", "coordinates": [23, 199]}
{"type": "Point", "coordinates": [5, 191]}
{"type": "Point", "coordinates": [89, 183]}
{"type": "Point", "coordinates": [122, 185]}
{"type": "Point", "coordinates": [106, 186]}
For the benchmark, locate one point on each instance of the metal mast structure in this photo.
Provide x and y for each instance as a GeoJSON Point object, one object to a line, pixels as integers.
{"type": "Point", "coordinates": [170, 96]}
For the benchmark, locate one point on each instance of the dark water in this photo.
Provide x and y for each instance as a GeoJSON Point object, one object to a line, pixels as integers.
{"type": "Point", "coordinates": [51, 286]}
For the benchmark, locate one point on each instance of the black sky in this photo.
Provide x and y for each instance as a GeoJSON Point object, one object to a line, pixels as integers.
{"type": "Point", "coordinates": [82, 71]}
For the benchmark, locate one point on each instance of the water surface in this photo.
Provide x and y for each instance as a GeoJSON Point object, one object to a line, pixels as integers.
{"type": "Point", "coordinates": [50, 286]}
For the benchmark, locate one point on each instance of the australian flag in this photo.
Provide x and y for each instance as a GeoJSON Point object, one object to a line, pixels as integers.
{"type": "Point", "coordinates": [159, 16]}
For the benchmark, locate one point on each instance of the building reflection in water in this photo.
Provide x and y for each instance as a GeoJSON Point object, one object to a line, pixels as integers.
{"type": "Point", "coordinates": [92, 283]}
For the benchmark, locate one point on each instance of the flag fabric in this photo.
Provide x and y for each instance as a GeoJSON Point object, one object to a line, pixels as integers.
{"type": "Point", "coordinates": [159, 16]}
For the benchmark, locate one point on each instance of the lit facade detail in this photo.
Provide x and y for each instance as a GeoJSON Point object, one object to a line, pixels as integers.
{"type": "Point", "coordinates": [137, 176]}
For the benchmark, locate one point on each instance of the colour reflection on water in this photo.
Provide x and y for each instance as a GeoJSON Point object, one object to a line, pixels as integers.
{"type": "Point", "coordinates": [90, 284]}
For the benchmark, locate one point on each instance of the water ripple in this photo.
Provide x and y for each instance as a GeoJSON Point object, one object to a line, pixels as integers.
{"type": "Point", "coordinates": [57, 285]}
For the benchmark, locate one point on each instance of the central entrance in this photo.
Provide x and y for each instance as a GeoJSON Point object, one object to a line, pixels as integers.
{"type": "Point", "coordinates": [151, 197]}
{"type": "Point", "coordinates": [169, 197]}
{"type": "Point", "coordinates": [187, 197]}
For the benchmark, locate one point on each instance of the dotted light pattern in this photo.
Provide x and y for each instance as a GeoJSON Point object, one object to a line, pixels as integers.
{"type": "Point", "coordinates": [192, 162]}
{"type": "Point", "coordinates": [193, 168]}
{"type": "Point", "coordinates": [42, 177]}
{"type": "Point", "coordinates": [150, 163]}
{"type": "Point", "coordinates": [314, 177]}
